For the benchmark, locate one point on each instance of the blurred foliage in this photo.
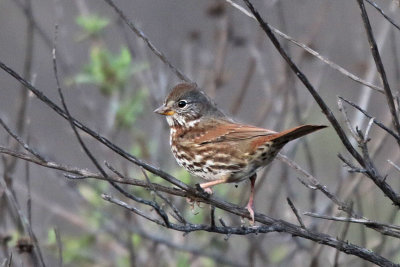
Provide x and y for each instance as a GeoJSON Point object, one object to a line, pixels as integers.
{"type": "Point", "coordinates": [182, 175]}
{"type": "Point", "coordinates": [123, 261]}
{"type": "Point", "coordinates": [91, 193]}
{"type": "Point", "coordinates": [107, 71]}
{"type": "Point", "coordinates": [136, 240]}
{"type": "Point", "coordinates": [15, 235]}
{"type": "Point", "coordinates": [183, 260]}
{"type": "Point", "coordinates": [75, 250]}
{"type": "Point", "coordinates": [278, 253]}
{"type": "Point", "coordinates": [111, 73]}
{"type": "Point", "coordinates": [130, 109]}
{"type": "Point", "coordinates": [92, 25]}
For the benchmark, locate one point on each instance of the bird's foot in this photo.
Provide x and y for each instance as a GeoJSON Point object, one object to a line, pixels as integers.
{"type": "Point", "coordinates": [206, 192]}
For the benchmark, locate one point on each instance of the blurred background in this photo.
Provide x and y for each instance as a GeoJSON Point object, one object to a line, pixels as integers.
{"type": "Point", "coordinates": [112, 82]}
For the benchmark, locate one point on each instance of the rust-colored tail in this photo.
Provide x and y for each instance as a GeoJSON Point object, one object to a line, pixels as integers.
{"type": "Point", "coordinates": [294, 133]}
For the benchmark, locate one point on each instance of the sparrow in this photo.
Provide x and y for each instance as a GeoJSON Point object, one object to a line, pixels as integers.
{"type": "Point", "coordinates": [210, 145]}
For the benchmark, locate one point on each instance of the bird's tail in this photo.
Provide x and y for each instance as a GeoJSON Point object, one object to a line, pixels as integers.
{"type": "Point", "coordinates": [282, 138]}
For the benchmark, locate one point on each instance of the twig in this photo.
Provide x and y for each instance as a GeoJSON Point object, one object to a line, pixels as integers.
{"type": "Point", "coordinates": [20, 141]}
{"type": "Point", "coordinates": [28, 186]}
{"type": "Point", "coordinates": [385, 229]}
{"type": "Point", "coordinates": [295, 211]}
{"type": "Point", "coordinates": [379, 66]}
{"type": "Point", "coordinates": [313, 52]}
{"type": "Point", "coordinates": [394, 165]}
{"type": "Point", "coordinates": [372, 3]}
{"type": "Point", "coordinates": [381, 125]}
{"type": "Point", "coordinates": [346, 118]}
{"type": "Point", "coordinates": [176, 211]}
{"type": "Point", "coordinates": [315, 184]}
{"type": "Point", "coordinates": [133, 209]}
{"type": "Point", "coordinates": [371, 121]}
{"type": "Point", "coordinates": [141, 35]}
{"type": "Point", "coordinates": [351, 165]}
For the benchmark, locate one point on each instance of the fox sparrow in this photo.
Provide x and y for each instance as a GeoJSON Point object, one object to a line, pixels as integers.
{"type": "Point", "coordinates": [210, 145]}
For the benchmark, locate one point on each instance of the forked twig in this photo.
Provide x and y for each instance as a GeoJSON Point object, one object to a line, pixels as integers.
{"type": "Point", "coordinates": [379, 65]}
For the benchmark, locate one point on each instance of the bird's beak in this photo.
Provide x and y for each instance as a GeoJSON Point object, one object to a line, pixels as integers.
{"type": "Point", "coordinates": [163, 110]}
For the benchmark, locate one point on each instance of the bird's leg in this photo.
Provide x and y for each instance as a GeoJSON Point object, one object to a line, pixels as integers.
{"type": "Point", "coordinates": [250, 204]}
{"type": "Point", "coordinates": [206, 186]}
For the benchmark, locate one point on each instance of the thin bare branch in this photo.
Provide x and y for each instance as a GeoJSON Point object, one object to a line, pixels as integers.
{"type": "Point", "coordinates": [172, 206]}
{"type": "Point", "coordinates": [141, 35]}
{"type": "Point", "coordinates": [381, 125]}
{"type": "Point", "coordinates": [379, 65]}
{"type": "Point", "coordinates": [372, 3]}
{"type": "Point", "coordinates": [295, 211]}
{"type": "Point", "coordinates": [20, 141]}
{"type": "Point", "coordinates": [383, 228]}
{"type": "Point", "coordinates": [371, 121]}
{"type": "Point", "coordinates": [346, 119]}
{"type": "Point", "coordinates": [394, 165]}
{"type": "Point", "coordinates": [313, 52]}
{"type": "Point", "coordinates": [315, 184]}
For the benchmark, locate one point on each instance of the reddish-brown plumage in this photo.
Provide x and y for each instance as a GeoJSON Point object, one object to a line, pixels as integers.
{"type": "Point", "coordinates": [212, 146]}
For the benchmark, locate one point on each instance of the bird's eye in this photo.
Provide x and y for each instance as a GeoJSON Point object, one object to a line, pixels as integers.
{"type": "Point", "coordinates": [182, 104]}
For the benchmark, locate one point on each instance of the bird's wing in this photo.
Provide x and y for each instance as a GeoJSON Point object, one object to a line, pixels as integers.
{"type": "Point", "coordinates": [228, 132]}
